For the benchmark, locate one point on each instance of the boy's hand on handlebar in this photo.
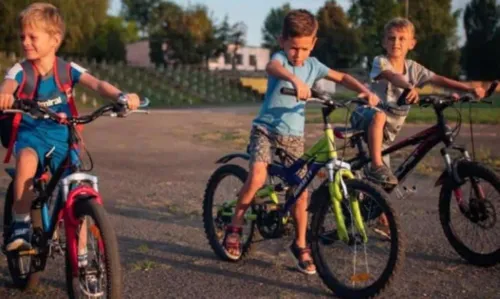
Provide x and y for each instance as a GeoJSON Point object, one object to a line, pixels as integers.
{"type": "Point", "coordinates": [412, 97]}
{"type": "Point", "coordinates": [6, 101]}
{"type": "Point", "coordinates": [479, 92]}
{"type": "Point", "coordinates": [133, 101]}
{"type": "Point", "coordinates": [371, 97]}
{"type": "Point", "coordinates": [303, 90]}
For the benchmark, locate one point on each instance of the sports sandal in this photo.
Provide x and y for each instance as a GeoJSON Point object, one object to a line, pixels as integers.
{"type": "Point", "coordinates": [297, 254]}
{"type": "Point", "coordinates": [232, 242]}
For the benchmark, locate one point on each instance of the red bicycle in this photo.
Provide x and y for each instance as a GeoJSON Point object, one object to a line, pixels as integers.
{"type": "Point", "coordinates": [67, 218]}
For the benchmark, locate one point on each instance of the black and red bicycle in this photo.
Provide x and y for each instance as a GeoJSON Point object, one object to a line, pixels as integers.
{"type": "Point", "coordinates": [480, 209]}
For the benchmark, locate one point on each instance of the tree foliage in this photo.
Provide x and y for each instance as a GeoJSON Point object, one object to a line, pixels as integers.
{"type": "Point", "coordinates": [338, 45]}
{"type": "Point", "coordinates": [189, 35]}
{"type": "Point", "coordinates": [89, 31]}
{"type": "Point", "coordinates": [435, 26]}
{"type": "Point", "coordinates": [437, 41]}
{"type": "Point", "coordinates": [273, 24]}
{"type": "Point", "coordinates": [369, 18]}
{"type": "Point", "coordinates": [481, 59]}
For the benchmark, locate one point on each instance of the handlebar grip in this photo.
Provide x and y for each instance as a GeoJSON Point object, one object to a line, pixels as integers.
{"type": "Point", "coordinates": [25, 105]}
{"type": "Point", "coordinates": [402, 98]}
{"type": "Point", "coordinates": [491, 89]}
{"type": "Point", "coordinates": [288, 91]}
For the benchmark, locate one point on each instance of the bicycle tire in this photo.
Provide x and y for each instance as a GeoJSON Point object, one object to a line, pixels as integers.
{"type": "Point", "coordinates": [208, 221]}
{"type": "Point", "coordinates": [89, 207]}
{"type": "Point", "coordinates": [466, 169]}
{"type": "Point", "coordinates": [397, 251]}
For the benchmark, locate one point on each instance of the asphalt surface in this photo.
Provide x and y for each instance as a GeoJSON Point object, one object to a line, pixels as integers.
{"type": "Point", "coordinates": [153, 170]}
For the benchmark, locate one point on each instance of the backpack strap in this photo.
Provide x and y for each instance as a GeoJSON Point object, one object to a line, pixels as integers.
{"type": "Point", "coordinates": [64, 82]}
{"type": "Point", "coordinates": [25, 91]}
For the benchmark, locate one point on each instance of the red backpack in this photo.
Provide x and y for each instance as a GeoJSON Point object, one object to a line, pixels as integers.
{"type": "Point", "coordinates": [27, 91]}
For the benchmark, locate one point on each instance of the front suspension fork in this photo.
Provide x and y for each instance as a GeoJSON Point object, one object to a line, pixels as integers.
{"type": "Point", "coordinates": [338, 191]}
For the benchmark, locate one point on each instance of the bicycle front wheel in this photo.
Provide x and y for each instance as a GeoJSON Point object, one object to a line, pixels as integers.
{"type": "Point", "coordinates": [99, 271]}
{"type": "Point", "coordinates": [356, 269]}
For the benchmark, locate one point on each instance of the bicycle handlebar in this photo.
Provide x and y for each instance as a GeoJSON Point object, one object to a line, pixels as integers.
{"type": "Point", "coordinates": [34, 110]}
{"type": "Point", "coordinates": [440, 99]}
{"type": "Point", "coordinates": [323, 98]}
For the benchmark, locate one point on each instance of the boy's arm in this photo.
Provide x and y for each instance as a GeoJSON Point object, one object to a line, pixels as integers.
{"type": "Point", "coordinates": [452, 84]}
{"type": "Point", "coordinates": [276, 69]}
{"type": "Point", "coordinates": [105, 89]}
{"type": "Point", "coordinates": [7, 89]}
{"type": "Point", "coordinates": [353, 84]}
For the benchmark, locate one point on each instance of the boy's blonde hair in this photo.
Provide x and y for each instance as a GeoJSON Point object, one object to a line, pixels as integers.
{"type": "Point", "coordinates": [399, 23]}
{"type": "Point", "coordinates": [44, 16]}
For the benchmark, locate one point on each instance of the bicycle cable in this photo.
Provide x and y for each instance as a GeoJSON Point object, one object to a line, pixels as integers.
{"type": "Point", "coordinates": [471, 133]}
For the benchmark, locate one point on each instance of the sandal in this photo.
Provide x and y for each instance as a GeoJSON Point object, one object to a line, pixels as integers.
{"type": "Point", "coordinates": [297, 254]}
{"type": "Point", "coordinates": [382, 228]}
{"type": "Point", "coordinates": [232, 242]}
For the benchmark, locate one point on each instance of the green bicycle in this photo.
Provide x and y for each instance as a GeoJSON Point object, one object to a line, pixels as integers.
{"type": "Point", "coordinates": [344, 210]}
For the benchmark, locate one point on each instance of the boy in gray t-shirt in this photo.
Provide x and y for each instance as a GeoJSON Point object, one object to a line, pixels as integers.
{"type": "Point", "coordinates": [390, 75]}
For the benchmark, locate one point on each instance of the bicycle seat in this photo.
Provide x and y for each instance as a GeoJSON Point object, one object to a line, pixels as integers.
{"type": "Point", "coordinates": [346, 133]}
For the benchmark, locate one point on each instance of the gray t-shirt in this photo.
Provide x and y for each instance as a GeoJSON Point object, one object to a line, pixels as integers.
{"type": "Point", "coordinates": [416, 74]}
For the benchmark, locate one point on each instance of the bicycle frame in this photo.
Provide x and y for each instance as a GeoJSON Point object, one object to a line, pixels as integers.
{"type": "Point", "coordinates": [322, 153]}
{"type": "Point", "coordinates": [63, 205]}
{"type": "Point", "coordinates": [425, 140]}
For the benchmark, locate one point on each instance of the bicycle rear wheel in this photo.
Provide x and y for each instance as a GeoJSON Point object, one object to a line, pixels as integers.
{"type": "Point", "coordinates": [356, 269]}
{"type": "Point", "coordinates": [218, 208]}
{"type": "Point", "coordinates": [471, 223]}
{"type": "Point", "coordinates": [100, 275]}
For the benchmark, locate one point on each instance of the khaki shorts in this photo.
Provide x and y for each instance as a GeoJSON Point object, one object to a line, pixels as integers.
{"type": "Point", "coordinates": [264, 143]}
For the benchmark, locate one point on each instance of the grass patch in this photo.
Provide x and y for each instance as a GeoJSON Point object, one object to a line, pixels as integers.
{"type": "Point", "coordinates": [236, 138]}
{"type": "Point", "coordinates": [143, 248]}
{"type": "Point", "coordinates": [483, 114]}
{"type": "Point", "coordinates": [144, 265]}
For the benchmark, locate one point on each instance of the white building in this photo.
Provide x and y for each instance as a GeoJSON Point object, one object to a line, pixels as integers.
{"type": "Point", "coordinates": [248, 58]}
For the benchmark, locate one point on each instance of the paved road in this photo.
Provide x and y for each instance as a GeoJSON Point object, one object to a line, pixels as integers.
{"type": "Point", "coordinates": [153, 170]}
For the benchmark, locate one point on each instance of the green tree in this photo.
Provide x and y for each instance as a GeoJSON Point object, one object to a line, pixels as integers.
{"type": "Point", "coordinates": [188, 36]}
{"type": "Point", "coordinates": [110, 38]}
{"type": "Point", "coordinates": [81, 18]}
{"type": "Point", "coordinates": [273, 25]}
{"type": "Point", "coordinates": [140, 11]}
{"type": "Point", "coordinates": [437, 42]}
{"type": "Point", "coordinates": [481, 59]}
{"type": "Point", "coordinates": [368, 18]}
{"type": "Point", "coordinates": [338, 45]}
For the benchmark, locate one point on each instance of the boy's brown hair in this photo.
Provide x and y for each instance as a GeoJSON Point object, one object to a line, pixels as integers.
{"type": "Point", "coordinates": [399, 23]}
{"type": "Point", "coordinates": [43, 15]}
{"type": "Point", "coordinates": [299, 23]}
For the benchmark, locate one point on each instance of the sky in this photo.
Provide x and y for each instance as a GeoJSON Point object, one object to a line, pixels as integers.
{"type": "Point", "coordinates": [253, 12]}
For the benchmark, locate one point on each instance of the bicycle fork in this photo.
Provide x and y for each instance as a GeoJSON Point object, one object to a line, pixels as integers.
{"type": "Point", "coordinates": [338, 192]}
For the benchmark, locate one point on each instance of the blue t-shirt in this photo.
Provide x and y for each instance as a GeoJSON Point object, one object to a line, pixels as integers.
{"type": "Point", "coordinates": [48, 95]}
{"type": "Point", "coordinates": [282, 114]}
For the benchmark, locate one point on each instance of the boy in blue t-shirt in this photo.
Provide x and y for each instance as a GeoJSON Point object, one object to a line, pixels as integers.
{"type": "Point", "coordinates": [42, 31]}
{"type": "Point", "coordinates": [280, 124]}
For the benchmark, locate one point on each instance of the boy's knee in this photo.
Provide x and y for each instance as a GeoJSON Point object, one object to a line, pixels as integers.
{"type": "Point", "coordinates": [379, 117]}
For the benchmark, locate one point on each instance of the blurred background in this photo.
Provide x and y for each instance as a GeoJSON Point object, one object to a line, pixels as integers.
{"type": "Point", "coordinates": [215, 51]}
